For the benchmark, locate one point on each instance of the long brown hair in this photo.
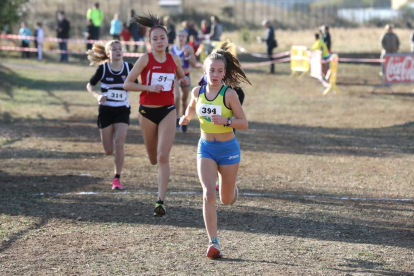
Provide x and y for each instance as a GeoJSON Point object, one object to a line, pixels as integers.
{"type": "Point", "coordinates": [234, 73]}
{"type": "Point", "coordinates": [97, 55]}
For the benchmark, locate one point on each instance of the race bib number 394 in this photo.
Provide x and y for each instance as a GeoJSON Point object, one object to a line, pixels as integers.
{"type": "Point", "coordinates": [117, 95]}
{"type": "Point", "coordinates": [164, 79]}
{"type": "Point", "coordinates": [206, 110]}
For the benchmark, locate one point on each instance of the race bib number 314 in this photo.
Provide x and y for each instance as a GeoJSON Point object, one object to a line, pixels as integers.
{"type": "Point", "coordinates": [164, 79]}
{"type": "Point", "coordinates": [206, 110]}
{"type": "Point", "coordinates": [117, 95]}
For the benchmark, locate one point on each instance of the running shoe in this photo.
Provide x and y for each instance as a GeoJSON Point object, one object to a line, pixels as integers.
{"type": "Point", "coordinates": [217, 186]}
{"type": "Point", "coordinates": [159, 210]}
{"type": "Point", "coordinates": [116, 184]}
{"type": "Point", "coordinates": [236, 191]}
{"type": "Point", "coordinates": [214, 250]}
{"type": "Point", "coordinates": [184, 128]}
{"type": "Point", "coordinates": [177, 124]}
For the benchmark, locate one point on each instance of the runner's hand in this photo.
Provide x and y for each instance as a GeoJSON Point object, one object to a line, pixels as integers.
{"type": "Point", "coordinates": [183, 121]}
{"type": "Point", "coordinates": [218, 120]}
{"type": "Point", "coordinates": [184, 81]}
{"type": "Point", "coordinates": [156, 88]}
{"type": "Point", "coordinates": [101, 99]}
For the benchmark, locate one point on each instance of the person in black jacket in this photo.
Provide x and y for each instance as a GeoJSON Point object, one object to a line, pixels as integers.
{"type": "Point", "coordinates": [171, 34]}
{"type": "Point", "coordinates": [63, 30]}
{"type": "Point", "coordinates": [91, 33]}
{"type": "Point", "coordinates": [271, 43]}
{"type": "Point", "coordinates": [326, 37]}
{"type": "Point", "coordinates": [134, 29]}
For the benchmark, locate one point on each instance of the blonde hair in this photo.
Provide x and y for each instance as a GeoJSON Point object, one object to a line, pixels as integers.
{"type": "Point", "coordinates": [98, 54]}
{"type": "Point", "coordinates": [182, 31]}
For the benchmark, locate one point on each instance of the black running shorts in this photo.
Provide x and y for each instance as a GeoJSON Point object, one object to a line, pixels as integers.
{"type": "Point", "coordinates": [109, 115]}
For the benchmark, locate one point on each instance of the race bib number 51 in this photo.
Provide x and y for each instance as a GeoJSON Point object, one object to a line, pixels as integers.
{"type": "Point", "coordinates": [206, 110]}
{"type": "Point", "coordinates": [117, 95]}
{"type": "Point", "coordinates": [164, 79]}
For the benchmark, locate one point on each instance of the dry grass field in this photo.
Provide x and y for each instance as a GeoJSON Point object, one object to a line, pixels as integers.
{"type": "Point", "coordinates": [326, 182]}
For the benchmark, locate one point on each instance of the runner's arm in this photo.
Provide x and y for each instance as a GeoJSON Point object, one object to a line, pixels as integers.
{"type": "Point", "coordinates": [191, 108]}
{"type": "Point", "coordinates": [93, 82]}
{"type": "Point", "coordinates": [130, 82]}
{"type": "Point", "coordinates": [232, 101]}
{"type": "Point", "coordinates": [191, 57]}
{"type": "Point", "coordinates": [182, 79]}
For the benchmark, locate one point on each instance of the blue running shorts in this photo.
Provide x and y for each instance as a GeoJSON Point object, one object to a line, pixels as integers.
{"type": "Point", "coordinates": [224, 153]}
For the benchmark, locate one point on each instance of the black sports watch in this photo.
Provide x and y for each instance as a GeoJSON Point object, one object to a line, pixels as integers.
{"type": "Point", "coordinates": [228, 122]}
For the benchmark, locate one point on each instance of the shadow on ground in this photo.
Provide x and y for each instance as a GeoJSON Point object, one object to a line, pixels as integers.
{"type": "Point", "coordinates": [260, 137]}
{"type": "Point", "coordinates": [21, 196]}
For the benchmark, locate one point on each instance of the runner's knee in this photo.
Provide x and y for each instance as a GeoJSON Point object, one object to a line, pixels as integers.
{"type": "Point", "coordinates": [209, 196]}
{"type": "Point", "coordinates": [163, 158]}
{"type": "Point", "coordinates": [119, 144]}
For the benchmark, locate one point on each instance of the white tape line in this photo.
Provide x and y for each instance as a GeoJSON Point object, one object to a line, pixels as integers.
{"type": "Point", "coordinates": [21, 49]}
{"type": "Point", "coordinates": [249, 65]}
{"type": "Point", "coordinates": [344, 198]}
{"type": "Point", "coordinates": [260, 55]}
{"type": "Point", "coordinates": [69, 40]}
{"type": "Point", "coordinates": [364, 60]}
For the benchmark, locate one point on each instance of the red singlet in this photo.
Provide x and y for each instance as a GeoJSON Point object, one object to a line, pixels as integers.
{"type": "Point", "coordinates": [158, 73]}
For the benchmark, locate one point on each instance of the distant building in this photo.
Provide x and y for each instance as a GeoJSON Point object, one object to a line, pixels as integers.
{"type": "Point", "coordinates": [396, 4]}
{"type": "Point", "coordinates": [172, 6]}
{"type": "Point", "coordinates": [365, 15]}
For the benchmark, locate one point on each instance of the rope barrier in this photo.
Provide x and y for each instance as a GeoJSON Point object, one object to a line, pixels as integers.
{"type": "Point", "coordinates": [69, 40]}
{"type": "Point", "coordinates": [21, 49]}
{"type": "Point", "coordinates": [88, 41]}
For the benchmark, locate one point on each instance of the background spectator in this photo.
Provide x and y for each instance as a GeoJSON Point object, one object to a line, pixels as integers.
{"type": "Point", "coordinates": [412, 42]}
{"type": "Point", "coordinates": [205, 27]}
{"type": "Point", "coordinates": [6, 29]}
{"type": "Point", "coordinates": [91, 33]}
{"type": "Point", "coordinates": [321, 46]}
{"type": "Point", "coordinates": [126, 36]}
{"type": "Point", "coordinates": [271, 42]}
{"type": "Point", "coordinates": [24, 31]}
{"type": "Point", "coordinates": [194, 43]}
{"type": "Point", "coordinates": [39, 40]}
{"type": "Point", "coordinates": [189, 27]}
{"type": "Point", "coordinates": [326, 37]}
{"type": "Point", "coordinates": [116, 27]}
{"type": "Point", "coordinates": [97, 16]}
{"type": "Point", "coordinates": [169, 25]}
{"type": "Point", "coordinates": [63, 30]}
{"type": "Point", "coordinates": [389, 41]}
{"type": "Point", "coordinates": [216, 29]}
{"type": "Point", "coordinates": [133, 27]}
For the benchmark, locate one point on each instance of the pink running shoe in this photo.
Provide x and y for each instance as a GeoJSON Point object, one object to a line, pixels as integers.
{"type": "Point", "coordinates": [214, 251]}
{"type": "Point", "coordinates": [116, 184]}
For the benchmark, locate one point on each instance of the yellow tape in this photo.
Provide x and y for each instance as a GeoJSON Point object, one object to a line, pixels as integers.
{"type": "Point", "coordinates": [332, 75]}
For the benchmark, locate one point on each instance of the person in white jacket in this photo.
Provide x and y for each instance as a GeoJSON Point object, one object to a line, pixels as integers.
{"type": "Point", "coordinates": [39, 40]}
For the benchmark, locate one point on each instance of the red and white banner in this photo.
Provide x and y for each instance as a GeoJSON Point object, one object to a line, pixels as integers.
{"type": "Point", "coordinates": [398, 68]}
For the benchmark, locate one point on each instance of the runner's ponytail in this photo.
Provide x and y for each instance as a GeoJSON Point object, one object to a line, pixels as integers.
{"type": "Point", "coordinates": [234, 72]}
{"type": "Point", "coordinates": [148, 20]}
{"type": "Point", "coordinates": [98, 54]}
